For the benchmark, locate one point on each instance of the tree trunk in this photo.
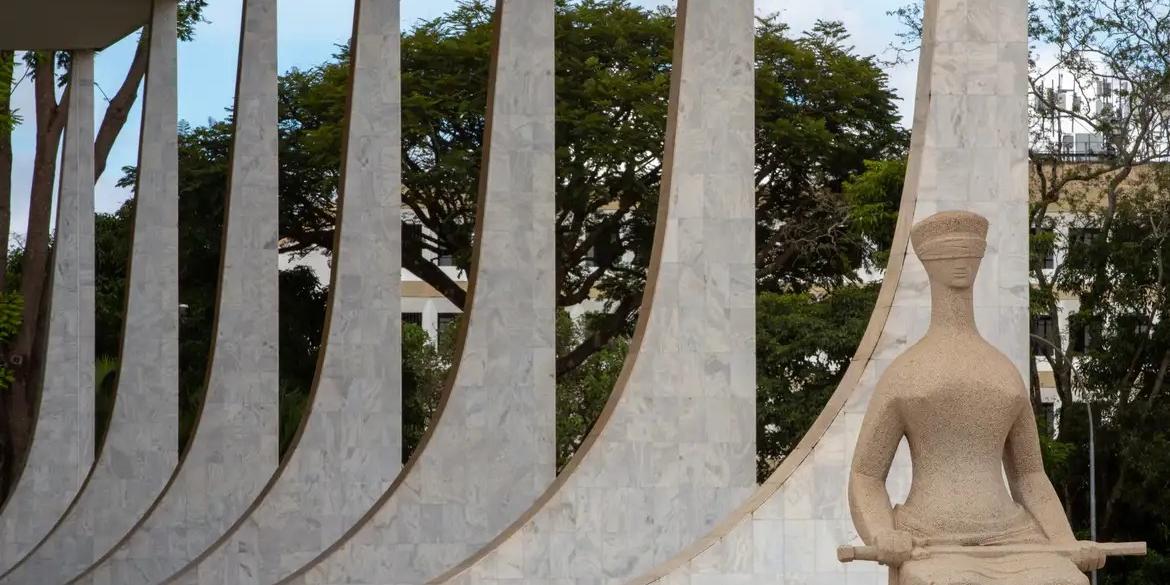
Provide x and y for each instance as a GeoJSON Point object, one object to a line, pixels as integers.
{"type": "Point", "coordinates": [50, 120]}
{"type": "Point", "coordinates": [34, 268]}
{"type": "Point", "coordinates": [610, 327]}
{"type": "Point", "coordinates": [7, 61]}
{"type": "Point", "coordinates": [119, 107]}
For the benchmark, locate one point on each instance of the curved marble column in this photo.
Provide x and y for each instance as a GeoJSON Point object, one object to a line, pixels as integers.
{"type": "Point", "coordinates": [61, 453]}
{"type": "Point", "coordinates": [968, 152]}
{"type": "Point", "coordinates": [491, 450]}
{"type": "Point", "coordinates": [674, 450]}
{"type": "Point", "coordinates": [139, 453]}
{"type": "Point", "coordinates": [349, 448]}
{"type": "Point", "coordinates": [234, 450]}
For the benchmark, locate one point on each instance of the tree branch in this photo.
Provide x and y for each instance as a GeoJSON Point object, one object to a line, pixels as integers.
{"type": "Point", "coordinates": [118, 109]}
{"type": "Point", "coordinates": [614, 324]}
{"type": "Point", "coordinates": [412, 260]}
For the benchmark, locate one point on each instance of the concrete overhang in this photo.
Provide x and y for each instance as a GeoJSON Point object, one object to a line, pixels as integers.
{"type": "Point", "coordinates": [69, 24]}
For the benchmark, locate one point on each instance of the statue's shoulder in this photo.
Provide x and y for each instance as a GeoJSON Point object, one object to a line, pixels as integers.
{"type": "Point", "coordinates": [915, 356]}
{"type": "Point", "coordinates": [907, 367]}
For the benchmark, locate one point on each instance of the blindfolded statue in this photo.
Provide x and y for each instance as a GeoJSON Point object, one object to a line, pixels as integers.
{"type": "Point", "coordinates": [964, 410]}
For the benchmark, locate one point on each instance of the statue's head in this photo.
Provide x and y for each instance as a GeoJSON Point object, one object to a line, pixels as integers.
{"type": "Point", "coordinates": [951, 245]}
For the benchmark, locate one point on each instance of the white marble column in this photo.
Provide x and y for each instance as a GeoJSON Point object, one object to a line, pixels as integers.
{"type": "Point", "coordinates": [139, 451]}
{"type": "Point", "coordinates": [491, 448]}
{"type": "Point", "coordinates": [61, 453]}
{"type": "Point", "coordinates": [349, 447]}
{"type": "Point", "coordinates": [968, 152]}
{"type": "Point", "coordinates": [233, 452]}
{"type": "Point", "coordinates": [674, 451]}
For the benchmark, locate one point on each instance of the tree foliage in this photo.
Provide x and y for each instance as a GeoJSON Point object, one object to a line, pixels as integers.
{"type": "Point", "coordinates": [425, 365]}
{"type": "Point", "coordinates": [804, 342]}
{"type": "Point", "coordinates": [204, 157]}
{"type": "Point", "coordinates": [1117, 352]}
{"type": "Point", "coordinates": [583, 392]}
{"type": "Point", "coordinates": [49, 70]}
{"type": "Point", "coordinates": [822, 111]}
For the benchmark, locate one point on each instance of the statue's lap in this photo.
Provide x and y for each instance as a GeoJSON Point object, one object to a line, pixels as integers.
{"type": "Point", "coordinates": [1023, 569]}
{"type": "Point", "coordinates": [1017, 569]}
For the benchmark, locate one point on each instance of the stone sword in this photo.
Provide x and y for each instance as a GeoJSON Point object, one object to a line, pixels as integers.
{"type": "Point", "coordinates": [847, 554]}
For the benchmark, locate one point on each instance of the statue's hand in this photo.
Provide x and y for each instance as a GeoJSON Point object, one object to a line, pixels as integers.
{"type": "Point", "coordinates": [1089, 557]}
{"type": "Point", "coordinates": [894, 547]}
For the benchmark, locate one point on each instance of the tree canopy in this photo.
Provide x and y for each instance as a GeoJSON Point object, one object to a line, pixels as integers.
{"type": "Point", "coordinates": [822, 112]}
{"type": "Point", "coordinates": [47, 71]}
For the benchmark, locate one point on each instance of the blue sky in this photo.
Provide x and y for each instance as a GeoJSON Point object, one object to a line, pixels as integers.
{"type": "Point", "coordinates": [309, 33]}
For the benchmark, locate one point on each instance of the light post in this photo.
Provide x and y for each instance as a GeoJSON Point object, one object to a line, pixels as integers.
{"type": "Point", "coordinates": [1092, 481]}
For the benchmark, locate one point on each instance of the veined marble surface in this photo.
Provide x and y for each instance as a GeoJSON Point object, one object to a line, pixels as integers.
{"type": "Point", "coordinates": [233, 452]}
{"type": "Point", "coordinates": [61, 453]}
{"type": "Point", "coordinates": [139, 452]}
{"type": "Point", "coordinates": [968, 152]}
{"type": "Point", "coordinates": [491, 450]}
{"type": "Point", "coordinates": [350, 443]}
{"type": "Point", "coordinates": [674, 450]}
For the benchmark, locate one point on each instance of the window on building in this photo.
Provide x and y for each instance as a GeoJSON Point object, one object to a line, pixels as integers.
{"type": "Point", "coordinates": [1042, 329]}
{"type": "Point", "coordinates": [412, 318]}
{"type": "Point", "coordinates": [412, 232]}
{"type": "Point", "coordinates": [1139, 324]}
{"type": "Point", "coordinates": [606, 249]}
{"type": "Point", "coordinates": [1049, 414]}
{"type": "Point", "coordinates": [1079, 239]}
{"type": "Point", "coordinates": [1080, 331]}
{"type": "Point", "coordinates": [1084, 144]}
{"type": "Point", "coordinates": [1050, 249]}
{"type": "Point", "coordinates": [1082, 236]}
{"type": "Point", "coordinates": [1097, 143]}
{"type": "Point", "coordinates": [447, 325]}
{"type": "Point", "coordinates": [1143, 327]}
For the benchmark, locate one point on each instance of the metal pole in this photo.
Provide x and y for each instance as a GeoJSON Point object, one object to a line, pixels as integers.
{"type": "Point", "coordinates": [1092, 482]}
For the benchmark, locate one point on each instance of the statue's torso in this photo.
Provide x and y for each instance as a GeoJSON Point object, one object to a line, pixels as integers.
{"type": "Point", "coordinates": [957, 419]}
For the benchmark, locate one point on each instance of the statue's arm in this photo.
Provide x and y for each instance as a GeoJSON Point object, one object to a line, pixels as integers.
{"type": "Point", "coordinates": [881, 432]}
{"type": "Point", "coordinates": [1029, 483]}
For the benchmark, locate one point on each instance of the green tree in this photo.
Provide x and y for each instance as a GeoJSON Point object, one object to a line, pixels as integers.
{"type": "Point", "coordinates": [105, 390]}
{"type": "Point", "coordinates": [873, 198]}
{"type": "Point", "coordinates": [204, 156]}
{"type": "Point", "coordinates": [11, 309]}
{"type": "Point", "coordinates": [1113, 213]}
{"type": "Point", "coordinates": [1118, 349]}
{"type": "Point", "coordinates": [804, 343]}
{"type": "Point", "coordinates": [424, 375]}
{"type": "Point", "coordinates": [9, 119]}
{"type": "Point", "coordinates": [583, 392]}
{"type": "Point", "coordinates": [49, 70]}
{"type": "Point", "coordinates": [822, 111]}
